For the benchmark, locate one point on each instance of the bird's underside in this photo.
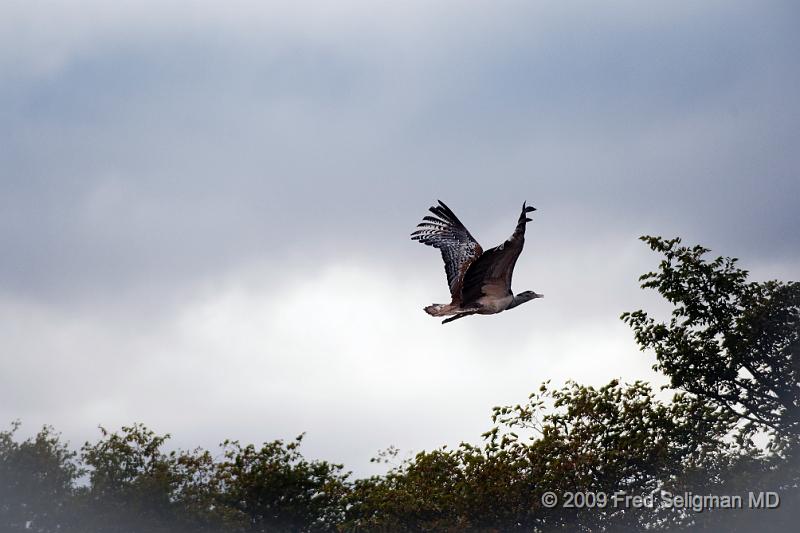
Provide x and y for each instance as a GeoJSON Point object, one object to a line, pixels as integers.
{"type": "Point", "coordinates": [479, 281]}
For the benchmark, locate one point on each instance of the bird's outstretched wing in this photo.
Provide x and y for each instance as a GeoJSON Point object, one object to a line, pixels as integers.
{"type": "Point", "coordinates": [491, 274]}
{"type": "Point", "coordinates": [459, 249]}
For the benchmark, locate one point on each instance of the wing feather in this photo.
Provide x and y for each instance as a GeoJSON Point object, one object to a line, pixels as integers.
{"type": "Point", "coordinates": [458, 247]}
{"type": "Point", "coordinates": [491, 273]}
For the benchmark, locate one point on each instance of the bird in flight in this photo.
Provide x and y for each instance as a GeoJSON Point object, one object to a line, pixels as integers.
{"type": "Point", "coordinates": [479, 282]}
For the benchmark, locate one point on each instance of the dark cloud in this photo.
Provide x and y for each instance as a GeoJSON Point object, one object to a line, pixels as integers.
{"type": "Point", "coordinates": [181, 156]}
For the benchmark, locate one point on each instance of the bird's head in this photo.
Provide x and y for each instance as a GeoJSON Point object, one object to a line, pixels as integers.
{"type": "Point", "coordinates": [529, 295]}
{"type": "Point", "coordinates": [525, 296]}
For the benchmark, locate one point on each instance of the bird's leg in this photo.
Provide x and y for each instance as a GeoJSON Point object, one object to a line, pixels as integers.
{"type": "Point", "coordinates": [456, 317]}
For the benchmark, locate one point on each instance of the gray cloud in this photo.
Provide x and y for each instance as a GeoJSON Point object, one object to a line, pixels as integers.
{"type": "Point", "coordinates": [154, 164]}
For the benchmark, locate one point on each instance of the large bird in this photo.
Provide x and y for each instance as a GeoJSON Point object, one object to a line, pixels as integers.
{"type": "Point", "coordinates": [480, 282]}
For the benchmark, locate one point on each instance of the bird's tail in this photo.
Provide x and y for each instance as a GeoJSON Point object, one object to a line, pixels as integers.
{"type": "Point", "coordinates": [439, 309]}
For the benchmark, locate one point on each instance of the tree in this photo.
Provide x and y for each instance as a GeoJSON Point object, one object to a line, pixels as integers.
{"type": "Point", "coordinates": [131, 483]}
{"type": "Point", "coordinates": [734, 343]}
{"type": "Point", "coordinates": [37, 479]}
{"type": "Point", "coordinates": [273, 488]}
{"type": "Point", "coordinates": [616, 438]}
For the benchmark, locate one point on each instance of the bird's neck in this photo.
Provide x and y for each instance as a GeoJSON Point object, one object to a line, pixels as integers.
{"type": "Point", "coordinates": [515, 301]}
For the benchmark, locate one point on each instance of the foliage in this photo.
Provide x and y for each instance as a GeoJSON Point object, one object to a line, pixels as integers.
{"type": "Point", "coordinates": [734, 343]}
{"type": "Point", "coordinates": [132, 483]}
{"type": "Point", "coordinates": [274, 488]}
{"type": "Point", "coordinates": [611, 439]}
{"type": "Point", "coordinates": [37, 479]}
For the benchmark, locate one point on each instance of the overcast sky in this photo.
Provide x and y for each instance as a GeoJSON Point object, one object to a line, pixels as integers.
{"type": "Point", "coordinates": [205, 206]}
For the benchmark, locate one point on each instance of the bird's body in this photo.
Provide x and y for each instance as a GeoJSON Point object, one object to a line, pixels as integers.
{"type": "Point", "coordinates": [479, 281]}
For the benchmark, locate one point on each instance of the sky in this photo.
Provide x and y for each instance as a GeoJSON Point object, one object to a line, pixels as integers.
{"type": "Point", "coordinates": [205, 207]}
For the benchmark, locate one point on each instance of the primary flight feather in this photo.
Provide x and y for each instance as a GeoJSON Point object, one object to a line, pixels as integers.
{"type": "Point", "coordinates": [479, 282]}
